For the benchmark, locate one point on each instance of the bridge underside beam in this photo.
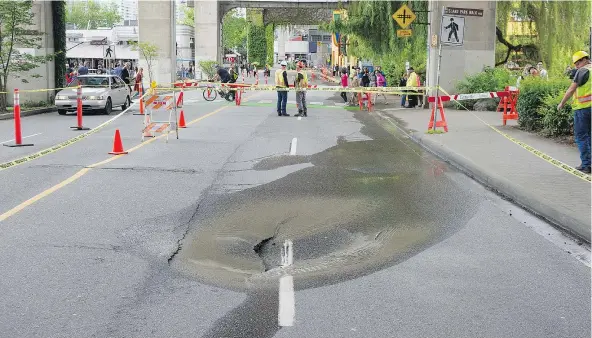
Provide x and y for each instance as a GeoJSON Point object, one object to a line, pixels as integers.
{"type": "Point", "coordinates": [300, 16]}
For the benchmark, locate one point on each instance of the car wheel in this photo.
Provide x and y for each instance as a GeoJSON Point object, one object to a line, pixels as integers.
{"type": "Point", "coordinates": [61, 112]}
{"type": "Point", "coordinates": [127, 103]}
{"type": "Point", "coordinates": [108, 107]}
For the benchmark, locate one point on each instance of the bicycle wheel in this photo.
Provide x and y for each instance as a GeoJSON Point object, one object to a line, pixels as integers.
{"type": "Point", "coordinates": [210, 94]}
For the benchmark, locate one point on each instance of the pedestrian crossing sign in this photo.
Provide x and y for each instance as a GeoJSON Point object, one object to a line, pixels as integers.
{"type": "Point", "coordinates": [404, 16]}
{"type": "Point", "coordinates": [452, 31]}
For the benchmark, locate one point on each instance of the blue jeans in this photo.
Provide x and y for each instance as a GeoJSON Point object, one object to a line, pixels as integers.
{"type": "Point", "coordinates": [282, 101]}
{"type": "Point", "coordinates": [582, 134]}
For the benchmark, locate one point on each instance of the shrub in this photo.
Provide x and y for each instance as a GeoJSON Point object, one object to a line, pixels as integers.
{"type": "Point", "coordinates": [207, 67]}
{"type": "Point", "coordinates": [489, 80]}
{"type": "Point", "coordinates": [554, 122]}
{"type": "Point", "coordinates": [533, 92]}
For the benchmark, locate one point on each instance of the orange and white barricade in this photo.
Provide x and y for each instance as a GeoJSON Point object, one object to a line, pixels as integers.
{"type": "Point", "coordinates": [159, 105]}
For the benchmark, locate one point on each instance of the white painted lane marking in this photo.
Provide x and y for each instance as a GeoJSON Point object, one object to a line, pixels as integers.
{"type": "Point", "coordinates": [287, 308]}
{"type": "Point", "coordinates": [293, 146]}
{"type": "Point", "coordinates": [287, 303]}
{"type": "Point", "coordinates": [299, 118]}
{"type": "Point", "coordinates": [265, 101]}
{"type": "Point", "coordinates": [317, 103]}
{"type": "Point", "coordinates": [22, 137]}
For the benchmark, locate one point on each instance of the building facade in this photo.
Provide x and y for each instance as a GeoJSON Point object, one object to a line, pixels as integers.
{"type": "Point", "coordinates": [302, 42]}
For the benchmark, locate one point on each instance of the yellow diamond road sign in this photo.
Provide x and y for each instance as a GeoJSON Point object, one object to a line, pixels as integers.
{"type": "Point", "coordinates": [404, 16]}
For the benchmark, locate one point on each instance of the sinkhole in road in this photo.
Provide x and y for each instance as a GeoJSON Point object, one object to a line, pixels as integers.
{"type": "Point", "coordinates": [362, 206]}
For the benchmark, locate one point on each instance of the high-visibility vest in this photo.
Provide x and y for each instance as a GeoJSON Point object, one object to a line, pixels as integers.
{"type": "Point", "coordinates": [584, 92]}
{"type": "Point", "coordinates": [413, 81]}
{"type": "Point", "coordinates": [279, 78]}
{"type": "Point", "coordinates": [304, 82]}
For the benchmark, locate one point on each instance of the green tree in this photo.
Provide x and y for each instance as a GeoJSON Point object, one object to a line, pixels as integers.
{"type": "Point", "coordinates": [188, 16]}
{"type": "Point", "coordinates": [92, 14]}
{"type": "Point", "coordinates": [558, 28]}
{"type": "Point", "coordinates": [234, 32]}
{"type": "Point", "coordinates": [16, 18]}
{"type": "Point", "coordinates": [372, 34]}
{"type": "Point", "coordinates": [148, 52]}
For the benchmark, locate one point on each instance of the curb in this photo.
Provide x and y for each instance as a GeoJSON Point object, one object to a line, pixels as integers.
{"type": "Point", "coordinates": [506, 189]}
{"type": "Point", "coordinates": [10, 116]}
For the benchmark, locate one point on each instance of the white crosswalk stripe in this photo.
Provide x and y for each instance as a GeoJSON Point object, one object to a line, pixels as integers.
{"type": "Point", "coordinates": [316, 103]}
{"type": "Point", "coordinates": [265, 101]}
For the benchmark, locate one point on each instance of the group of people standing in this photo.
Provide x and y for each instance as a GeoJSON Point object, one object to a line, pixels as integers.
{"type": "Point", "coordinates": [300, 82]}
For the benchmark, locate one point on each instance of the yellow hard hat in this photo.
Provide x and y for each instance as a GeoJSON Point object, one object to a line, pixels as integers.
{"type": "Point", "coordinates": [579, 55]}
{"type": "Point", "coordinates": [153, 84]}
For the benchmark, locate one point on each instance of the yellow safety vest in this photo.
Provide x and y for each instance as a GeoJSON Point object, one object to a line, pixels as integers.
{"type": "Point", "coordinates": [584, 92]}
{"type": "Point", "coordinates": [279, 78]}
{"type": "Point", "coordinates": [412, 81]}
{"type": "Point", "coordinates": [304, 82]}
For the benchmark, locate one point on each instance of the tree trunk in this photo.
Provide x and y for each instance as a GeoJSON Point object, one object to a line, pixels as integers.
{"type": "Point", "coordinates": [3, 96]}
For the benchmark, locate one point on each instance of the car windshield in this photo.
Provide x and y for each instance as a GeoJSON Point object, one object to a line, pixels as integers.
{"type": "Point", "coordinates": [91, 81]}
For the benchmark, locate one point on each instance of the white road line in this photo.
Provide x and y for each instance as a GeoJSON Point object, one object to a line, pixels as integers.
{"type": "Point", "coordinates": [299, 118]}
{"type": "Point", "coordinates": [287, 308]}
{"type": "Point", "coordinates": [317, 103]}
{"type": "Point", "coordinates": [293, 146]}
{"type": "Point", "coordinates": [287, 303]}
{"type": "Point", "coordinates": [291, 102]}
{"type": "Point", "coordinates": [23, 137]}
{"type": "Point", "coordinates": [265, 101]}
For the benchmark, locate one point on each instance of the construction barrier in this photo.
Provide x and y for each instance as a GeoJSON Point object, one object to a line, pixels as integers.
{"type": "Point", "coordinates": [157, 104]}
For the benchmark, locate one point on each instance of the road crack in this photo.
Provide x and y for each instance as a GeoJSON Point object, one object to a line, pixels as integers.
{"type": "Point", "coordinates": [185, 232]}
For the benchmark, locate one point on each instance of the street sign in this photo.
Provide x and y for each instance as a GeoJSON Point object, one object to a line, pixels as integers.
{"type": "Point", "coordinates": [452, 31]}
{"type": "Point", "coordinates": [463, 11]}
{"type": "Point", "coordinates": [404, 33]}
{"type": "Point", "coordinates": [404, 16]}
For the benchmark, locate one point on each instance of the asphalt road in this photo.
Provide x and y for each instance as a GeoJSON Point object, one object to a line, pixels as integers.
{"type": "Point", "coordinates": [185, 238]}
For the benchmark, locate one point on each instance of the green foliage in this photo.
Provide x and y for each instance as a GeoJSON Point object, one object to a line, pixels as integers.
{"type": "Point", "coordinates": [559, 28]}
{"type": "Point", "coordinates": [208, 67]}
{"type": "Point", "coordinates": [257, 44]}
{"type": "Point", "coordinates": [269, 38]}
{"type": "Point", "coordinates": [554, 122]}
{"type": "Point", "coordinates": [92, 14]}
{"type": "Point", "coordinates": [16, 18]}
{"type": "Point", "coordinates": [489, 80]}
{"type": "Point", "coordinates": [188, 16]}
{"type": "Point", "coordinates": [148, 52]}
{"type": "Point", "coordinates": [58, 10]}
{"type": "Point", "coordinates": [234, 32]}
{"type": "Point", "coordinates": [533, 93]}
{"type": "Point", "coordinates": [372, 35]}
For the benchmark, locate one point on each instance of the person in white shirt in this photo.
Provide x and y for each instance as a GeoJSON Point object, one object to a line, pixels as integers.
{"type": "Point", "coordinates": [542, 71]}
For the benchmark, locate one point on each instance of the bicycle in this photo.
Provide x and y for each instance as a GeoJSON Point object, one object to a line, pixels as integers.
{"type": "Point", "coordinates": [210, 94]}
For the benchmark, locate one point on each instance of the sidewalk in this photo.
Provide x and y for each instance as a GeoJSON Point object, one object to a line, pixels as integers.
{"type": "Point", "coordinates": [558, 196]}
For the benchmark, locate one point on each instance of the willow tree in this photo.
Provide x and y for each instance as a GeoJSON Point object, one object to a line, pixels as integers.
{"type": "Point", "coordinates": [558, 29]}
{"type": "Point", "coordinates": [372, 35]}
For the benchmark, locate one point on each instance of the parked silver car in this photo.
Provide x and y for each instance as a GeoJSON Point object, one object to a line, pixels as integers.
{"type": "Point", "coordinates": [100, 93]}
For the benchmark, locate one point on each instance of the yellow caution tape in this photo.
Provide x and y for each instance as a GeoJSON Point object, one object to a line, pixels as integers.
{"type": "Point", "coordinates": [15, 162]}
{"type": "Point", "coordinates": [420, 91]}
{"type": "Point", "coordinates": [538, 153]}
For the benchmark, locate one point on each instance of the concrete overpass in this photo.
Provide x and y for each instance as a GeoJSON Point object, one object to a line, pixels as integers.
{"type": "Point", "coordinates": [157, 24]}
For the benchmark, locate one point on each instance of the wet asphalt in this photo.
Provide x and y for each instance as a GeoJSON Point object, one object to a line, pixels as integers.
{"type": "Point", "coordinates": [184, 238]}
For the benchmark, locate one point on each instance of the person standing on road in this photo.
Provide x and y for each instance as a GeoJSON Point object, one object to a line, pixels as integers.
{"type": "Point", "coordinates": [412, 81]}
{"type": "Point", "coordinates": [300, 83]}
{"type": "Point", "coordinates": [344, 84]}
{"type": "Point", "coordinates": [582, 106]}
{"type": "Point", "coordinates": [281, 81]}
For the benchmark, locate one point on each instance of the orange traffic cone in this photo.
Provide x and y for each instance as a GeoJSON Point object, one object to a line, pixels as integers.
{"type": "Point", "coordinates": [182, 120]}
{"type": "Point", "coordinates": [117, 145]}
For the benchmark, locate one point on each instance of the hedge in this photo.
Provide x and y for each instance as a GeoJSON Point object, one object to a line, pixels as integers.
{"type": "Point", "coordinates": [269, 38]}
{"type": "Point", "coordinates": [537, 107]}
{"type": "Point", "coordinates": [257, 44]}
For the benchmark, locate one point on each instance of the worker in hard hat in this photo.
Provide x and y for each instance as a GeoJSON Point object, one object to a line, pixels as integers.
{"type": "Point", "coordinates": [300, 83]}
{"type": "Point", "coordinates": [582, 105]}
{"type": "Point", "coordinates": [281, 82]}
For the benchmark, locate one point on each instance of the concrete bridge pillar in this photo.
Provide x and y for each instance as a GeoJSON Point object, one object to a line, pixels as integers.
{"type": "Point", "coordinates": [477, 50]}
{"type": "Point", "coordinates": [157, 25]}
{"type": "Point", "coordinates": [208, 32]}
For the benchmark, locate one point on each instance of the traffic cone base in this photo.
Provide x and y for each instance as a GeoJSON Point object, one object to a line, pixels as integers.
{"type": "Point", "coordinates": [117, 145]}
{"type": "Point", "coordinates": [182, 120]}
